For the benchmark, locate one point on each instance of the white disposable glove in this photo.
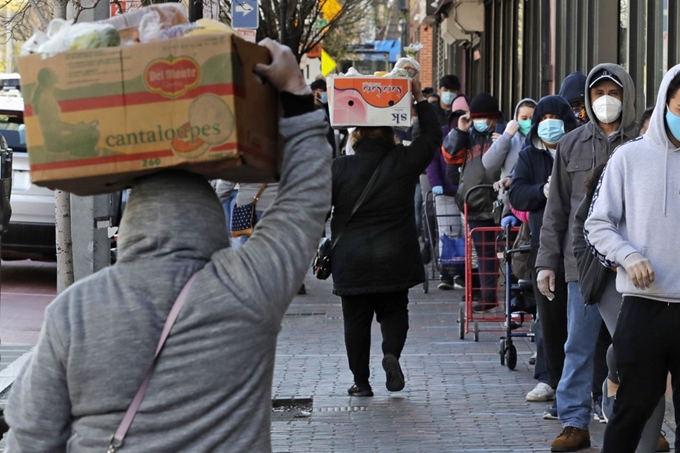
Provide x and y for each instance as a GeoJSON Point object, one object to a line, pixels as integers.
{"type": "Point", "coordinates": [512, 127]}
{"type": "Point", "coordinates": [546, 283]}
{"type": "Point", "coordinates": [639, 270]}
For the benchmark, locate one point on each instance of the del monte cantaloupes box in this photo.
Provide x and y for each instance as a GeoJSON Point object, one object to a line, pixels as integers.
{"type": "Point", "coordinates": [95, 119]}
{"type": "Point", "coordinates": [370, 101]}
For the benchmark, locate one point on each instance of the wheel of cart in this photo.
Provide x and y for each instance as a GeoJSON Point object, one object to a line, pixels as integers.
{"type": "Point", "coordinates": [461, 321]}
{"type": "Point", "coordinates": [508, 351]}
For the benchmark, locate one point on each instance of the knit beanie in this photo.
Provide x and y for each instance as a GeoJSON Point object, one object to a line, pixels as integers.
{"type": "Point", "coordinates": [484, 106]}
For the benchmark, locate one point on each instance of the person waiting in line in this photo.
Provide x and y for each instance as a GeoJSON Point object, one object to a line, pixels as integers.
{"type": "Point", "coordinates": [573, 89]}
{"type": "Point", "coordinates": [447, 215]}
{"type": "Point", "coordinates": [377, 257]}
{"type": "Point", "coordinates": [100, 335]}
{"type": "Point", "coordinates": [631, 226]}
{"type": "Point", "coordinates": [467, 145]}
{"type": "Point", "coordinates": [610, 104]}
{"type": "Point", "coordinates": [320, 92]}
{"type": "Point", "coordinates": [551, 119]}
{"type": "Point", "coordinates": [644, 120]}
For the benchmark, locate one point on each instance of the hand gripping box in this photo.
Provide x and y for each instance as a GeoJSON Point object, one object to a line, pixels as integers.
{"type": "Point", "coordinates": [96, 119]}
{"type": "Point", "coordinates": [370, 101]}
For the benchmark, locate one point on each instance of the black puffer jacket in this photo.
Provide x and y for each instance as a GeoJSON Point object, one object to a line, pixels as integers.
{"type": "Point", "coordinates": [379, 251]}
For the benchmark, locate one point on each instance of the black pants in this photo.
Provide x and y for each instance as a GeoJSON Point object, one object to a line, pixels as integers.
{"type": "Point", "coordinates": [600, 370]}
{"type": "Point", "coordinates": [485, 246]}
{"type": "Point", "coordinates": [647, 347]}
{"type": "Point", "coordinates": [391, 310]}
{"type": "Point", "coordinates": [553, 316]}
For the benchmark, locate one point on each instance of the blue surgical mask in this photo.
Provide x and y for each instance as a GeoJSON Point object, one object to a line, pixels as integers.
{"type": "Point", "coordinates": [524, 126]}
{"type": "Point", "coordinates": [673, 122]}
{"type": "Point", "coordinates": [448, 97]}
{"type": "Point", "coordinates": [551, 130]}
{"type": "Point", "coordinates": [323, 98]}
{"type": "Point", "coordinates": [480, 126]}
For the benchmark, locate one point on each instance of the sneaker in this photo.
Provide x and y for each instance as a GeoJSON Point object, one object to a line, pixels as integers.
{"type": "Point", "coordinates": [598, 416]}
{"type": "Point", "coordinates": [571, 439]}
{"type": "Point", "coordinates": [663, 444]}
{"type": "Point", "coordinates": [459, 281]}
{"type": "Point", "coordinates": [445, 285]}
{"type": "Point", "coordinates": [607, 403]}
{"type": "Point", "coordinates": [542, 392]}
{"type": "Point", "coordinates": [360, 390]}
{"type": "Point", "coordinates": [551, 412]}
{"type": "Point", "coordinates": [395, 377]}
{"type": "Point", "coordinates": [532, 359]}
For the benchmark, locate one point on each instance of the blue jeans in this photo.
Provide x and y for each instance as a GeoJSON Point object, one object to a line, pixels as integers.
{"type": "Point", "coordinates": [239, 241]}
{"type": "Point", "coordinates": [574, 402]}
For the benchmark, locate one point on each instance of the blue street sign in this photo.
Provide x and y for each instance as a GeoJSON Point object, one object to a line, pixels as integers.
{"type": "Point", "coordinates": [245, 14]}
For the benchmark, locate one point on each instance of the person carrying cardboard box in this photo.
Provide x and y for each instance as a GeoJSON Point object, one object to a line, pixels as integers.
{"type": "Point", "coordinates": [212, 383]}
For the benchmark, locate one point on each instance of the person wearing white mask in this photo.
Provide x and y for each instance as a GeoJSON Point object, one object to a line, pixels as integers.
{"type": "Point", "coordinates": [610, 105]}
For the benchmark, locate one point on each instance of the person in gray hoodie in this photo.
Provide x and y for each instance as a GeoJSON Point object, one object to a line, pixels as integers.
{"type": "Point", "coordinates": [610, 96]}
{"type": "Point", "coordinates": [211, 388]}
{"type": "Point", "coordinates": [633, 217]}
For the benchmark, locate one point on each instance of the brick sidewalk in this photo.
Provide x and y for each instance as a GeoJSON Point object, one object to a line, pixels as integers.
{"type": "Point", "coordinates": [458, 398]}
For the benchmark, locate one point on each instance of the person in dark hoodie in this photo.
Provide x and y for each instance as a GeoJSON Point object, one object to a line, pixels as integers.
{"type": "Point", "coordinates": [552, 118]}
{"type": "Point", "coordinates": [573, 90]}
{"type": "Point", "coordinates": [631, 225]}
{"type": "Point", "coordinates": [610, 104]}
{"type": "Point", "coordinates": [377, 256]}
{"type": "Point", "coordinates": [212, 383]}
{"type": "Point", "coordinates": [467, 145]}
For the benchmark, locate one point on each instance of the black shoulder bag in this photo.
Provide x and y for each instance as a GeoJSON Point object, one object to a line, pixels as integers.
{"type": "Point", "coordinates": [321, 267]}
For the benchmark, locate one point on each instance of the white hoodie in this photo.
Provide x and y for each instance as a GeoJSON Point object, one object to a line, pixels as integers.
{"type": "Point", "coordinates": [636, 207]}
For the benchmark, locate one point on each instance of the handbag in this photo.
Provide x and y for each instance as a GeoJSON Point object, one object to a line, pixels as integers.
{"type": "Point", "coordinates": [243, 218]}
{"type": "Point", "coordinates": [119, 436]}
{"type": "Point", "coordinates": [321, 266]}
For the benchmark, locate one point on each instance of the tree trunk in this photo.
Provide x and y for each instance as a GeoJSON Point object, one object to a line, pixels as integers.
{"type": "Point", "coordinates": [64, 242]}
{"type": "Point", "coordinates": [63, 206]}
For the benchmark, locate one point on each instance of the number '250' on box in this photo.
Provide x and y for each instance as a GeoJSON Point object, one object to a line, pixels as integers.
{"type": "Point", "coordinates": [96, 119]}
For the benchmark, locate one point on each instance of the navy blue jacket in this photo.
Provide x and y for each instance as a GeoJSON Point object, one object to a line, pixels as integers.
{"type": "Point", "coordinates": [534, 165]}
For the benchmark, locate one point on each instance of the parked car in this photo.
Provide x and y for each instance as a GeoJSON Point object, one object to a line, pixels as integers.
{"type": "Point", "coordinates": [31, 233]}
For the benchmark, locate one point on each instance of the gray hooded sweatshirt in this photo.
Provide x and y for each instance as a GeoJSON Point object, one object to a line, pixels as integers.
{"type": "Point", "coordinates": [637, 209]}
{"type": "Point", "coordinates": [211, 390]}
{"type": "Point", "coordinates": [578, 153]}
{"type": "Point", "coordinates": [502, 155]}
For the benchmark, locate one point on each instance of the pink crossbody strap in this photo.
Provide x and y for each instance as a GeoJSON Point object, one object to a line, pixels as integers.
{"type": "Point", "coordinates": [119, 436]}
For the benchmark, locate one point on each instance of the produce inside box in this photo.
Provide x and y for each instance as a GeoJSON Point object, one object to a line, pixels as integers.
{"type": "Point", "coordinates": [178, 96]}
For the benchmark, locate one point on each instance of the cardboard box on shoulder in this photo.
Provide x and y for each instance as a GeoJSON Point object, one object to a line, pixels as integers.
{"type": "Point", "coordinates": [96, 119]}
{"type": "Point", "coordinates": [370, 101]}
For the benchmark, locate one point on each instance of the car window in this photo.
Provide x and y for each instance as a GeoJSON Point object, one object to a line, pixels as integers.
{"type": "Point", "coordinates": [13, 129]}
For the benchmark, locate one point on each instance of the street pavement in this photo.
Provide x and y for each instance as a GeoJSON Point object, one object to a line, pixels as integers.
{"type": "Point", "coordinates": [458, 398]}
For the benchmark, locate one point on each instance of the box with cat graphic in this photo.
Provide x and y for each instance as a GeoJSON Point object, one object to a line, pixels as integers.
{"type": "Point", "coordinates": [96, 119]}
{"type": "Point", "coordinates": [370, 101]}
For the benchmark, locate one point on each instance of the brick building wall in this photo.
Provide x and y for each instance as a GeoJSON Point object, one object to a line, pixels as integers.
{"type": "Point", "coordinates": [426, 55]}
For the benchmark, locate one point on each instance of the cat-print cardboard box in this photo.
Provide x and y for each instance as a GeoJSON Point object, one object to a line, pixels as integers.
{"type": "Point", "coordinates": [96, 119]}
{"type": "Point", "coordinates": [370, 101]}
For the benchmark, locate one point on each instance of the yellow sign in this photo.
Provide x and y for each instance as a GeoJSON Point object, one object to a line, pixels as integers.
{"type": "Point", "coordinates": [330, 9]}
{"type": "Point", "coordinates": [327, 63]}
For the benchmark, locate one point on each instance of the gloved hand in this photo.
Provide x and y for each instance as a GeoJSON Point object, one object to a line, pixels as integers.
{"type": "Point", "coordinates": [509, 220]}
{"type": "Point", "coordinates": [546, 283]}
{"type": "Point", "coordinates": [639, 270]}
{"type": "Point", "coordinates": [512, 127]}
{"type": "Point", "coordinates": [438, 190]}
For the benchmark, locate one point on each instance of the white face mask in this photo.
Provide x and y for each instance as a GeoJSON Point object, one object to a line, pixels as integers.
{"type": "Point", "coordinates": [607, 109]}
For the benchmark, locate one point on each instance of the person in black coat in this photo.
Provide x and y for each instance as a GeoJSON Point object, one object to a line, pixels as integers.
{"type": "Point", "coordinates": [528, 192]}
{"type": "Point", "coordinates": [377, 258]}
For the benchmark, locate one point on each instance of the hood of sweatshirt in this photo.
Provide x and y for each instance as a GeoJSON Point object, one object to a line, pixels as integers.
{"type": "Point", "coordinates": [628, 114]}
{"type": "Point", "coordinates": [172, 213]}
{"type": "Point", "coordinates": [556, 105]}
{"type": "Point", "coordinates": [573, 87]}
{"type": "Point", "coordinates": [656, 136]}
{"type": "Point", "coordinates": [523, 101]}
